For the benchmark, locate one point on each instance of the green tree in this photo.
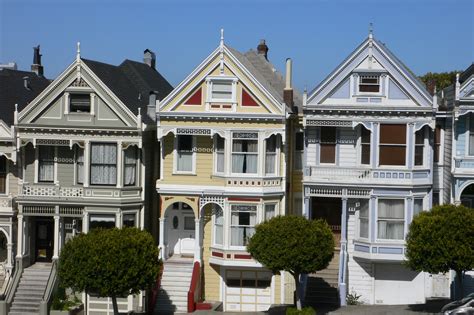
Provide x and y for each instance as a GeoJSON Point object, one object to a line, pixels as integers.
{"type": "Point", "coordinates": [110, 263]}
{"type": "Point", "coordinates": [442, 240]}
{"type": "Point", "coordinates": [293, 244]}
{"type": "Point", "coordinates": [440, 80]}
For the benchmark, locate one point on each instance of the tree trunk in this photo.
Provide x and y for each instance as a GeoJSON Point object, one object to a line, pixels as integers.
{"type": "Point", "coordinates": [114, 303]}
{"type": "Point", "coordinates": [296, 276]}
{"type": "Point", "coordinates": [460, 285]}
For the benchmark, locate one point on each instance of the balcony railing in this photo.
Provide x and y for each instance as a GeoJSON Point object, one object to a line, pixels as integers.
{"type": "Point", "coordinates": [68, 192]}
{"type": "Point", "coordinates": [365, 175]}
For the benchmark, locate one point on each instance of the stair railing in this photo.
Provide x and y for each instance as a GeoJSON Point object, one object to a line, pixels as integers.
{"type": "Point", "coordinates": [155, 291]}
{"type": "Point", "coordinates": [11, 287]}
{"type": "Point", "coordinates": [194, 293]}
{"type": "Point", "coordinates": [50, 286]}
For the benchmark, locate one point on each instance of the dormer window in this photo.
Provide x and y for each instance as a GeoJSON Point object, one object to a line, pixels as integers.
{"type": "Point", "coordinates": [79, 103]}
{"type": "Point", "coordinates": [221, 93]}
{"type": "Point", "coordinates": [369, 84]}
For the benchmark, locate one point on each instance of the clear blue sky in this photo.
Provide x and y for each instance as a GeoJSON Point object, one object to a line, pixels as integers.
{"type": "Point", "coordinates": [427, 35]}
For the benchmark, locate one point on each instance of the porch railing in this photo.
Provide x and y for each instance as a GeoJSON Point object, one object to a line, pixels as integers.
{"type": "Point", "coordinates": [51, 191]}
{"type": "Point", "coordinates": [194, 293]}
{"type": "Point", "coordinates": [319, 173]}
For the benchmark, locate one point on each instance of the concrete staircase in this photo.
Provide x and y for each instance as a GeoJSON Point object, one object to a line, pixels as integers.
{"type": "Point", "coordinates": [322, 287]}
{"type": "Point", "coordinates": [30, 290]}
{"type": "Point", "coordinates": [175, 282]}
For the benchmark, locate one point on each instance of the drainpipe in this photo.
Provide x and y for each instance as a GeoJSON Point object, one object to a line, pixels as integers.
{"type": "Point", "coordinates": [343, 252]}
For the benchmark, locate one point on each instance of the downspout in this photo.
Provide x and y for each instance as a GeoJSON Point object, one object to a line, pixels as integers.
{"type": "Point", "coordinates": [343, 252]}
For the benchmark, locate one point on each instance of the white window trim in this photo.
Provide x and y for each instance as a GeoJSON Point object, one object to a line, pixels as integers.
{"type": "Point", "coordinates": [175, 157]}
{"type": "Point", "coordinates": [276, 171]}
{"type": "Point", "coordinates": [137, 165]}
{"type": "Point", "coordinates": [137, 218]}
{"type": "Point", "coordinates": [210, 100]}
{"type": "Point", "coordinates": [336, 148]}
{"type": "Point", "coordinates": [229, 223]}
{"type": "Point", "coordinates": [441, 146]}
{"type": "Point", "coordinates": [389, 241]}
{"type": "Point", "coordinates": [258, 153]}
{"type": "Point", "coordinates": [469, 121]}
{"type": "Point", "coordinates": [214, 244]}
{"type": "Point", "coordinates": [55, 167]}
{"type": "Point", "coordinates": [79, 90]}
{"type": "Point", "coordinates": [368, 222]}
{"type": "Point", "coordinates": [215, 155]}
{"type": "Point", "coordinates": [425, 151]}
{"type": "Point", "coordinates": [396, 167]}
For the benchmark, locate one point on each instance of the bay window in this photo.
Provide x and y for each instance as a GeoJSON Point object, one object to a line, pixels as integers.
{"type": "Point", "coordinates": [328, 145]}
{"type": "Point", "coordinates": [391, 219]}
{"type": "Point", "coordinates": [129, 220]}
{"type": "Point", "coordinates": [270, 155]}
{"type": "Point", "coordinates": [364, 219]}
{"type": "Point", "coordinates": [3, 175]}
{"type": "Point", "coordinates": [103, 164]}
{"type": "Point", "coordinates": [245, 153]}
{"type": "Point", "coordinates": [364, 146]}
{"type": "Point", "coordinates": [417, 206]}
{"type": "Point", "coordinates": [392, 148]}
{"type": "Point", "coordinates": [104, 221]}
{"type": "Point", "coordinates": [419, 145]}
{"type": "Point", "coordinates": [79, 165]}
{"type": "Point", "coordinates": [242, 225]}
{"type": "Point", "coordinates": [219, 151]}
{"type": "Point", "coordinates": [184, 153]}
{"type": "Point", "coordinates": [130, 166]}
{"type": "Point", "coordinates": [45, 163]}
{"type": "Point", "coordinates": [218, 225]}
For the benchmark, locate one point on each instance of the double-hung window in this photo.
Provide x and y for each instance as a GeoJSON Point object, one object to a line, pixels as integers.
{"type": "Point", "coordinates": [219, 151]}
{"type": "Point", "coordinates": [299, 150]}
{"type": "Point", "coordinates": [79, 165]}
{"type": "Point", "coordinates": [218, 225]}
{"type": "Point", "coordinates": [45, 163]}
{"type": "Point", "coordinates": [369, 83]}
{"type": "Point", "coordinates": [419, 146]}
{"type": "Point", "coordinates": [130, 166]}
{"type": "Point", "coordinates": [242, 225]}
{"type": "Point", "coordinates": [471, 134]}
{"type": "Point", "coordinates": [221, 91]}
{"type": "Point", "coordinates": [364, 146]}
{"type": "Point", "coordinates": [3, 175]}
{"type": "Point", "coordinates": [184, 153]}
{"type": "Point", "coordinates": [391, 219]}
{"type": "Point", "coordinates": [364, 218]}
{"type": "Point", "coordinates": [245, 152]}
{"type": "Point", "coordinates": [328, 145]}
{"type": "Point", "coordinates": [79, 103]}
{"type": "Point", "coordinates": [103, 164]}
{"type": "Point", "coordinates": [392, 148]}
{"type": "Point", "coordinates": [270, 155]}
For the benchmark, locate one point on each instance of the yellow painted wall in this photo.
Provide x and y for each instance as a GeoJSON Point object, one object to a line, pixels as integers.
{"type": "Point", "coordinates": [277, 291]}
{"type": "Point", "coordinates": [211, 272]}
{"type": "Point", "coordinates": [289, 285]}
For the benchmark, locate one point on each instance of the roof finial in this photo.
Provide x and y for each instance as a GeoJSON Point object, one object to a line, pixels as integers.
{"type": "Point", "coordinates": [222, 37]}
{"type": "Point", "coordinates": [78, 54]}
{"type": "Point", "coordinates": [371, 30]}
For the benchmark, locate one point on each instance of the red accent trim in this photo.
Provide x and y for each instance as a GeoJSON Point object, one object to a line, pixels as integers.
{"type": "Point", "coordinates": [240, 256]}
{"type": "Point", "coordinates": [203, 306]}
{"type": "Point", "coordinates": [217, 254]}
{"type": "Point", "coordinates": [194, 293]}
{"type": "Point", "coordinates": [247, 99]}
{"type": "Point", "coordinates": [195, 99]}
{"type": "Point", "coordinates": [244, 199]}
{"type": "Point", "coordinates": [155, 290]}
{"type": "Point", "coordinates": [229, 256]}
{"type": "Point", "coordinates": [226, 106]}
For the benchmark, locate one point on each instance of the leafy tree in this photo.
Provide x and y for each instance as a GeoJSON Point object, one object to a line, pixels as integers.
{"type": "Point", "coordinates": [442, 240]}
{"type": "Point", "coordinates": [110, 263]}
{"type": "Point", "coordinates": [441, 80]}
{"type": "Point", "coordinates": [293, 244]}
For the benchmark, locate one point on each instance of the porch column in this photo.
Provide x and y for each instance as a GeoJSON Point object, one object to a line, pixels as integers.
{"type": "Point", "coordinates": [162, 238]}
{"type": "Point", "coordinates": [306, 206]}
{"type": "Point", "coordinates": [85, 222]}
{"type": "Point", "coordinates": [87, 156]}
{"type": "Point", "coordinates": [197, 241]}
{"type": "Point", "coordinates": [56, 234]}
{"type": "Point", "coordinates": [19, 248]}
{"type": "Point", "coordinates": [343, 254]}
{"type": "Point", "coordinates": [119, 164]}
{"type": "Point", "coordinates": [9, 265]}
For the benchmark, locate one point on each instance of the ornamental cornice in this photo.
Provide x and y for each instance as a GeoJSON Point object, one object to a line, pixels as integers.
{"type": "Point", "coordinates": [221, 117]}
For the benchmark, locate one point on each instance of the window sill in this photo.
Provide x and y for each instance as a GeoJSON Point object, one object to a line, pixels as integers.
{"type": "Point", "coordinates": [184, 174]}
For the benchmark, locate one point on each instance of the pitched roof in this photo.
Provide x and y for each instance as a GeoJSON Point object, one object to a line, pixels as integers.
{"type": "Point", "coordinates": [466, 73]}
{"type": "Point", "coordinates": [131, 82]}
{"type": "Point", "coordinates": [266, 74]}
{"type": "Point", "coordinates": [13, 91]}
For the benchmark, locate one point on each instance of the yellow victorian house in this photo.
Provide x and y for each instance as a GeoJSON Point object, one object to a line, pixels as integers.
{"type": "Point", "coordinates": [226, 134]}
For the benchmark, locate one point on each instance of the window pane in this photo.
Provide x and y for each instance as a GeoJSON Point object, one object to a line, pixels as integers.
{"type": "Point", "coordinates": [328, 135]}
{"type": "Point", "coordinates": [328, 153]}
{"type": "Point", "coordinates": [392, 155]}
{"type": "Point", "coordinates": [243, 220]}
{"type": "Point", "coordinates": [79, 103]}
{"type": "Point", "coordinates": [364, 219]}
{"type": "Point", "coordinates": [185, 143]}
{"type": "Point", "coordinates": [269, 211]}
{"type": "Point", "coordinates": [101, 221]}
{"type": "Point", "coordinates": [270, 157]}
{"type": "Point", "coordinates": [130, 166]}
{"type": "Point", "coordinates": [417, 206]}
{"type": "Point", "coordinates": [184, 153]}
{"type": "Point", "coordinates": [46, 164]}
{"type": "Point", "coordinates": [419, 155]}
{"type": "Point", "coordinates": [471, 143]}
{"type": "Point", "coordinates": [103, 164]}
{"type": "Point", "coordinates": [391, 209]}
{"type": "Point", "coordinates": [244, 157]}
{"type": "Point", "coordinates": [129, 219]}
{"type": "Point", "coordinates": [80, 165]}
{"type": "Point", "coordinates": [391, 219]}
{"type": "Point", "coordinates": [393, 134]}
{"type": "Point", "coordinates": [222, 90]}
{"type": "Point", "coordinates": [218, 225]}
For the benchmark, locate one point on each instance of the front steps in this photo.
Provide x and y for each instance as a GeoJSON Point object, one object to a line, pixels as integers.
{"type": "Point", "coordinates": [30, 290]}
{"type": "Point", "coordinates": [175, 282]}
{"type": "Point", "coordinates": [322, 287]}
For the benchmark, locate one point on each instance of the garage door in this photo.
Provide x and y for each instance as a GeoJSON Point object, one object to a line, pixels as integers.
{"type": "Point", "coordinates": [395, 284]}
{"type": "Point", "coordinates": [247, 291]}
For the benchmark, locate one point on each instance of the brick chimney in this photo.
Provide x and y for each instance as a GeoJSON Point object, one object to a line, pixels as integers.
{"type": "Point", "coordinates": [288, 91]}
{"type": "Point", "coordinates": [149, 58]}
{"type": "Point", "coordinates": [430, 86]}
{"type": "Point", "coordinates": [36, 67]}
{"type": "Point", "coordinates": [262, 49]}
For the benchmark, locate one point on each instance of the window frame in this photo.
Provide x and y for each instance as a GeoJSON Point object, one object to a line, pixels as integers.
{"type": "Point", "coordinates": [125, 164]}
{"type": "Point", "coordinates": [264, 212]}
{"type": "Point", "coordinates": [298, 165]}
{"type": "Point", "coordinates": [415, 199]}
{"type": "Point", "coordinates": [227, 79]}
{"type": "Point", "coordinates": [193, 157]}
{"type": "Point", "coordinates": [117, 152]}
{"type": "Point", "coordinates": [103, 215]}
{"type": "Point", "coordinates": [275, 156]}
{"type": "Point", "coordinates": [404, 145]}
{"type": "Point", "coordinates": [377, 219]}
{"type": "Point", "coordinates": [129, 213]}
{"type": "Point", "coordinates": [321, 143]}
{"type": "Point", "coordinates": [419, 145]}
{"type": "Point", "coordinates": [256, 206]}
{"type": "Point", "coordinates": [38, 150]}
{"type": "Point", "coordinates": [369, 76]}
{"type": "Point", "coordinates": [214, 224]}
{"type": "Point", "coordinates": [256, 153]}
{"type": "Point", "coordinates": [217, 151]}
{"type": "Point", "coordinates": [364, 218]}
{"type": "Point", "coordinates": [438, 146]}
{"type": "Point", "coordinates": [365, 144]}
{"type": "Point", "coordinates": [470, 133]}
{"type": "Point", "coordinates": [76, 165]}
{"type": "Point", "coordinates": [71, 95]}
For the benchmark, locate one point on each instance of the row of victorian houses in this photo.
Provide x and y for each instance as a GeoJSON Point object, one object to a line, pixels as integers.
{"type": "Point", "coordinates": [231, 146]}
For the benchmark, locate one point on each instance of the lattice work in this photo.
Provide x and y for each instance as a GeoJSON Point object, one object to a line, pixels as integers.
{"type": "Point", "coordinates": [211, 199]}
{"type": "Point", "coordinates": [38, 210]}
{"type": "Point", "coordinates": [193, 131]}
{"type": "Point", "coordinates": [76, 192]}
{"type": "Point", "coordinates": [358, 192]}
{"type": "Point", "coordinates": [329, 123]}
{"type": "Point", "coordinates": [71, 211]}
{"type": "Point", "coordinates": [52, 142]}
{"type": "Point", "coordinates": [41, 191]}
{"type": "Point", "coordinates": [325, 191]}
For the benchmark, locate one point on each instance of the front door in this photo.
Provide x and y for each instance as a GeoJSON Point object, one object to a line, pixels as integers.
{"type": "Point", "coordinates": [44, 240]}
{"type": "Point", "coordinates": [330, 210]}
{"type": "Point", "coordinates": [181, 230]}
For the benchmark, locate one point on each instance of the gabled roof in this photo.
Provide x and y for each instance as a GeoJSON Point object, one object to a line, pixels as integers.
{"type": "Point", "coordinates": [131, 81]}
{"type": "Point", "coordinates": [466, 73]}
{"type": "Point", "coordinates": [13, 91]}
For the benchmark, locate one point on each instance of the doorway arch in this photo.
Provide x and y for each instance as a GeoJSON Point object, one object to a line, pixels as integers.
{"type": "Point", "coordinates": [180, 230]}
{"type": "Point", "coordinates": [467, 195]}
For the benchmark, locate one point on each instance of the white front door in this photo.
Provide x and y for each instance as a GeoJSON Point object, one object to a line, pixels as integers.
{"type": "Point", "coordinates": [181, 230]}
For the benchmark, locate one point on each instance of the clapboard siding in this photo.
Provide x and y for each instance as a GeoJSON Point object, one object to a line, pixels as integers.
{"type": "Point", "coordinates": [312, 136]}
{"type": "Point", "coordinates": [65, 168]}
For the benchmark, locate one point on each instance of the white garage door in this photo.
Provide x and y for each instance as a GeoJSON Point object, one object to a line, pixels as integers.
{"type": "Point", "coordinates": [395, 284]}
{"type": "Point", "coordinates": [247, 291]}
